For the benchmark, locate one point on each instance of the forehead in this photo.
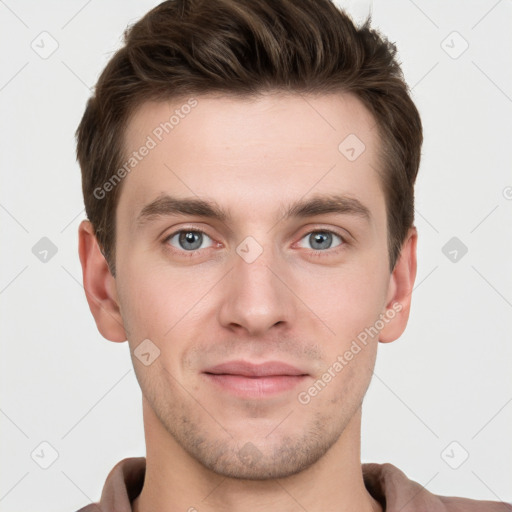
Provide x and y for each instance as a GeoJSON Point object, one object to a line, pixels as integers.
{"type": "Point", "coordinates": [258, 150]}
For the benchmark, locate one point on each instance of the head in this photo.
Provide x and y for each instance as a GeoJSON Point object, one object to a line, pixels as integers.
{"type": "Point", "coordinates": [288, 144]}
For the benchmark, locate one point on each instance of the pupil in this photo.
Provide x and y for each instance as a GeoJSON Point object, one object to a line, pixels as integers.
{"type": "Point", "coordinates": [322, 239]}
{"type": "Point", "coordinates": [191, 238]}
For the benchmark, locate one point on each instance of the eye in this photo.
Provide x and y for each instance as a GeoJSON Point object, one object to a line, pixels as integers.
{"type": "Point", "coordinates": [321, 240]}
{"type": "Point", "coordinates": [188, 239]}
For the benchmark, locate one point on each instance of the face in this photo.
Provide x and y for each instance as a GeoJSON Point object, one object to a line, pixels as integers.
{"type": "Point", "coordinates": [257, 270]}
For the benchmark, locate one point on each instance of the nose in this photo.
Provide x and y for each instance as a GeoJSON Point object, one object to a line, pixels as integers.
{"type": "Point", "coordinates": [255, 297]}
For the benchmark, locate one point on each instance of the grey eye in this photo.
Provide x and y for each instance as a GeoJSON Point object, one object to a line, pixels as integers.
{"type": "Point", "coordinates": [320, 240]}
{"type": "Point", "coordinates": [189, 240]}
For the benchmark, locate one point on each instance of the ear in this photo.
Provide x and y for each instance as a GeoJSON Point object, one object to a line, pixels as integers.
{"type": "Point", "coordinates": [99, 285]}
{"type": "Point", "coordinates": [401, 282]}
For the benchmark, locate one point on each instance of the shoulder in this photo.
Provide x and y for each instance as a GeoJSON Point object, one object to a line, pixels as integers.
{"type": "Point", "coordinates": [391, 487]}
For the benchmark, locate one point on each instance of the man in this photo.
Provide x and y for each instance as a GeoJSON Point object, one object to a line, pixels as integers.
{"type": "Point", "coordinates": [248, 174]}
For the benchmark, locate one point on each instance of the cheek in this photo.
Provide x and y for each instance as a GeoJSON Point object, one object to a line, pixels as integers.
{"type": "Point", "coordinates": [338, 399]}
{"type": "Point", "coordinates": [162, 303]}
{"type": "Point", "coordinates": [146, 301]}
{"type": "Point", "coordinates": [347, 299]}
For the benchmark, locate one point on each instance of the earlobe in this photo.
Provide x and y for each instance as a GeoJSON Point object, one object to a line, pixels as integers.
{"type": "Point", "coordinates": [99, 285]}
{"type": "Point", "coordinates": [400, 288]}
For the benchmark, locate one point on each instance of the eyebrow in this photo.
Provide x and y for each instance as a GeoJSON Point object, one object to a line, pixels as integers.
{"type": "Point", "coordinates": [167, 205]}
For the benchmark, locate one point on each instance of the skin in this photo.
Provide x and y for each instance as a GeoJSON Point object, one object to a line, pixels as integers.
{"type": "Point", "coordinates": [207, 448]}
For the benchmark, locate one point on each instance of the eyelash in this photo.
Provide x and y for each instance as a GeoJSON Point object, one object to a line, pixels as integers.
{"type": "Point", "coordinates": [314, 252]}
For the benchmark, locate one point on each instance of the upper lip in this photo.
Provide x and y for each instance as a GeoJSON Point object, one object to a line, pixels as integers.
{"type": "Point", "coordinates": [246, 369]}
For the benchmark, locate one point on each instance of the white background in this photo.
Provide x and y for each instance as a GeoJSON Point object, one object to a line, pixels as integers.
{"type": "Point", "coordinates": [447, 379]}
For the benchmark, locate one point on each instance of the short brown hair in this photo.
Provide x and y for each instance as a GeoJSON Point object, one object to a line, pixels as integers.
{"type": "Point", "coordinates": [244, 48]}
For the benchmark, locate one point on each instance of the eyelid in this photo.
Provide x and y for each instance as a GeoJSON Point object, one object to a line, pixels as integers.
{"type": "Point", "coordinates": [173, 233]}
{"type": "Point", "coordinates": [317, 229]}
{"type": "Point", "coordinates": [342, 233]}
{"type": "Point", "coordinates": [344, 240]}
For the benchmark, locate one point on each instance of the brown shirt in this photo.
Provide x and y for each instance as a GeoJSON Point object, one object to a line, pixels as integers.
{"type": "Point", "coordinates": [385, 482]}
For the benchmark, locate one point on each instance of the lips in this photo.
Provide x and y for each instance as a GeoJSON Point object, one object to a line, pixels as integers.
{"type": "Point", "coordinates": [250, 370]}
{"type": "Point", "coordinates": [250, 381]}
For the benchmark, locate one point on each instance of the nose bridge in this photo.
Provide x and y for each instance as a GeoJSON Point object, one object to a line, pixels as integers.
{"type": "Point", "coordinates": [254, 297]}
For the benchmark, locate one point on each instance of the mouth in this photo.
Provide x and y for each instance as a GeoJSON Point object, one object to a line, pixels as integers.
{"type": "Point", "coordinates": [247, 380]}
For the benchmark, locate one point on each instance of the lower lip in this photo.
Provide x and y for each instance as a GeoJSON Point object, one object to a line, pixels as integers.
{"type": "Point", "coordinates": [256, 387]}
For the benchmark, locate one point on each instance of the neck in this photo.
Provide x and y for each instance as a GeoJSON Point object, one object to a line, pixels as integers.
{"type": "Point", "coordinates": [176, 481]}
